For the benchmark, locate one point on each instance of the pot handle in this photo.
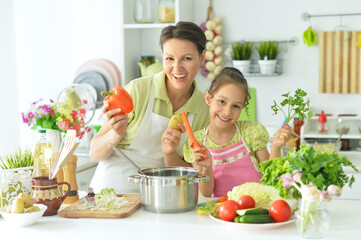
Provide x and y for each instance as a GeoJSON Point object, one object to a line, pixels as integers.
{"type": "Point", "coordinates": [134, 179]}
{"type": "Point", "coordinates": [201, 178]}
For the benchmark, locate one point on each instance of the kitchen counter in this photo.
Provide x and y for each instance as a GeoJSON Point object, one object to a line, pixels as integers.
{"type": "Point", "coordinates": [345, 224]}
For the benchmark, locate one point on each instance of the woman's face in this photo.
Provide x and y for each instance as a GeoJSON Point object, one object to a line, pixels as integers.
{"type": "Point", "coordinates": [181, 62]}
{"type": "Point", "coordinates": [226, 105]}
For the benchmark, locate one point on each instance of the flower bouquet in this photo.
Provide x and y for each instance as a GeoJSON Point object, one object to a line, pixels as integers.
{"type": "Point", "coordinates": [60, 116]}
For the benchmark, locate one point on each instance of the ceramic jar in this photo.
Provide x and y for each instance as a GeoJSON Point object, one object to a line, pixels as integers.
{"type": "Point", "coordinates": [45, 191]}
{"type": "Point", "coordinates": [312, 219]}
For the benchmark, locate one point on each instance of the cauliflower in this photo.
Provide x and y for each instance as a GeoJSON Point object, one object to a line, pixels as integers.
{"type": "Point", "coordinates": [264, 195]}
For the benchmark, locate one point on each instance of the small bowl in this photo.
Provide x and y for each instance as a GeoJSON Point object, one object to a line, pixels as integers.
{"type": "Point", "coordinates": [325, 145]}
{"type": "Point", "coordinates": [23, 219]}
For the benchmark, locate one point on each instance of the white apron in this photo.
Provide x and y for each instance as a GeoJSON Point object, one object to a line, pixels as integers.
{"type": "Point", "coordinates": [145, 150]}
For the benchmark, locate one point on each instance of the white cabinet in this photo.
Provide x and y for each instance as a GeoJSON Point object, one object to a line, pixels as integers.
{"type": "Point", "coordinates": [142, 39]}
{"type": "Point", "coordinates": [309, 132]}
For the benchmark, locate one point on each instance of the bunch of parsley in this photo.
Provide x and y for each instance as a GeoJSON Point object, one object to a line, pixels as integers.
{"type": "Point", "coordinates": [319, 168]}
{"type": "Point", "coordinates": [296, 106]}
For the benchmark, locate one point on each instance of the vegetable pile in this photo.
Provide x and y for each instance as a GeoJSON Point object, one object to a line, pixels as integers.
{"type": "Point", "coordinates": [263, 195]}
{"type": "Point", "coordinates": [245, 211]}
{"type": "Point", "coordinates": [319, 168]}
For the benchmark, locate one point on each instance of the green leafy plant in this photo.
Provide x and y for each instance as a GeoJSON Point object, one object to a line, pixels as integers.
{"type": "Point", "coordinates": [242, 50]}
{"type": "Point", "coordinates": [319, 168]}
{"type": "Point", "coordinates": [268, 49]}
{"type": "Point", "coordinates": [296, 106]}
{"type": "Point", "coordinates": [20, 158]}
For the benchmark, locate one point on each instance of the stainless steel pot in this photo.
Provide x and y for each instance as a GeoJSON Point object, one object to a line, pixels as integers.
{"type": "Point", "coordinates": [169, 189]}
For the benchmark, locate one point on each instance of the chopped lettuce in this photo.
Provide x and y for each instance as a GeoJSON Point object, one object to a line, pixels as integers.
{"type": "Point", "coordinates": [108, 200]}
{"type": "Point", "coordinates": [263, 195]}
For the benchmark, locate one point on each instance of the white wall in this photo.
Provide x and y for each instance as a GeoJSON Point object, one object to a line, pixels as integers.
{"type": "Point", "coordinates": [258, 20]}
{"type": "Point", "coordinates": [52, 39]}
{"type": "Point", "coordinates": [9, 124]}
{"type": "Point", "coordinates": [43, 42]}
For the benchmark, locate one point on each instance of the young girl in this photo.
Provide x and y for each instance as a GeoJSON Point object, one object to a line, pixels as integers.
{"type": "Point", "coordinates": [231, 150]}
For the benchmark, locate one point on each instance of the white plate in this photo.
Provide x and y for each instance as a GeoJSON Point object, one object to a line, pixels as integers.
{"type": "Point", "coordinates": [252, 226]}
{"type": "Point", "coordinates": [100, 70]}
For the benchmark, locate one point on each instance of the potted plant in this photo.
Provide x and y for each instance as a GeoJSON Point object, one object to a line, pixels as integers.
{"type": "Point", "coordinates": [268, 52]}
{"type": "Point", "coordinates": [16, 171]}
{"type": "Point", "coordinates": [241, 55]}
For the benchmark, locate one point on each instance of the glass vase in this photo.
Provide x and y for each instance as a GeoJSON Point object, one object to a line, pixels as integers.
{"type": "Point", "coordinates": [312, 219]}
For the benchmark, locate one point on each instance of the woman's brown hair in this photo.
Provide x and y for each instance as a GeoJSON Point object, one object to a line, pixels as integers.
{"type": "Point", "coordinates": [230, 75]}
{"type": "Point", "coordinates": [185, 31]}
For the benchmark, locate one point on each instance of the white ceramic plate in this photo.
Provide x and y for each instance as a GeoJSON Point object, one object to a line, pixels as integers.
{"type": "Point", "coordinates": [252, 226]}
{"type": "Point", "coordinates": [23, 219]}
{"type": "Point", "coordinates": [102, 71]}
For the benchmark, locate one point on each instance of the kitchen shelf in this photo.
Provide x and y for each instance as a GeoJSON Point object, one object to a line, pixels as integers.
{"type": "Point", "coordinates": [139, 39]}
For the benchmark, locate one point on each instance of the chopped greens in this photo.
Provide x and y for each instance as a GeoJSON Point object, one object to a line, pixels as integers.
{"type": "Point", "coordinates": [319, 168]}
{"type": "Point", "coordinates": [108, 200]}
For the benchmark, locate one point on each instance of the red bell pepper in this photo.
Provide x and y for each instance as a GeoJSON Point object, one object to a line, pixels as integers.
{"type": "Point", "coordinates": [118, 97]}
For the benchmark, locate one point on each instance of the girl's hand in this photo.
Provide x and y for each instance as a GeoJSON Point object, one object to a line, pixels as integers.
{"type": "Point", "coordinates": [201, 159]}
{"type": "Point", "coordinates": [117, 123]}
{"type": "Point", "coordinates": [171, 139]}
{"type": "Point", "coordinates": [282, 136]}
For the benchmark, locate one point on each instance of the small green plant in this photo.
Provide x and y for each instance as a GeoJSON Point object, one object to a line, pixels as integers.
{"type": "Point", "coordinates": [242, 50]}
{"type": "Point", "coordinates": [268, 49]}
{"type": "Point", "coordinates": [20, 158]}
{"type": "Point", "coordinates": [296, 106]}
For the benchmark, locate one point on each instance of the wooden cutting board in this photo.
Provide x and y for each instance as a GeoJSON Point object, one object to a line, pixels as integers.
{"type": "Point", "coordinates": [339, 62]}
{"type": "Point", "coordinates": [123, 212]}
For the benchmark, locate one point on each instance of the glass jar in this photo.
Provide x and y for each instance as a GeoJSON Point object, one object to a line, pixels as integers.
{"type": "Point", "coordinates": [312, 219]}
{"type": "Point", "coordinates": [144, 11]}
{"type": "Point", "coordinates": [147, 60]}
{"type": "Point", "coordinates": [297, 124]}
{"type": "Point", "coordinates": [166, 11]}
{"type": "Point", "coordinates": [342, 126]}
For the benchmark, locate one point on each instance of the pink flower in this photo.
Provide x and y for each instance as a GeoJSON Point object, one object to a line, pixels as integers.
{"type": "Point", "coordinates": [82, 111]}
{"type": "Point", "coordinates": [66, 121]}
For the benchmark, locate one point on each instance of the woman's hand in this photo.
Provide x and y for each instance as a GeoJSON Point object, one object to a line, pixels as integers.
{"type": "Point", "coordinates": [201, 159]}
{"type": "Point", "coordinates": [117, 123]}
{"type": "Point", "coordinates": [171, 139]}
{"type": "Point", "coordinates": [282, 136]}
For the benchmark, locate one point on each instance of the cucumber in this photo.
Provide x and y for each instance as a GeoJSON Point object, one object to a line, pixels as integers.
{"type": "Point", "coordinates": [249, 211]}
{"type": "Point", "coordinates": [256, 218]}
{"type": "Point", "coordinates": [237, 219]}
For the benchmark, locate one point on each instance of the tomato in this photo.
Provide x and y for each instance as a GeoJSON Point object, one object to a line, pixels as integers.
{"type": "Point", "coordinates": [246, 202]}
{"type": "Point", "coordinates": [280, 211]}
{"type": "Point", "coordinates": [227, 211]}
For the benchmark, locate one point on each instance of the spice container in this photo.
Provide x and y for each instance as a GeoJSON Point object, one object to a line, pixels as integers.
{"type": "Point", "coordinates": [144, 11]}
{"type": "Point", "coordinates": [166, 12]}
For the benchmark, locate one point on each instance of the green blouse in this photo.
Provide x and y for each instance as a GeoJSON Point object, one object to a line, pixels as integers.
{"type": "Point", "coordinates": [253, 133]}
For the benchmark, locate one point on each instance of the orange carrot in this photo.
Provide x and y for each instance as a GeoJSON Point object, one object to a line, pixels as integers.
{"type": "Point", "coordinates": [191, 136]}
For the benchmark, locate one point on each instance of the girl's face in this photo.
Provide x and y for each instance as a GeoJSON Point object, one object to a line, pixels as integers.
{"type": "Point", "coordinates": [226, 105]}
{"type": "Point", "coordinates": [181, 62]}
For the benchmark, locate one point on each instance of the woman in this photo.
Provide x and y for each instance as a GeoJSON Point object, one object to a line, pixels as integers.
{"type": "Point", "coordinates": [156, 98]}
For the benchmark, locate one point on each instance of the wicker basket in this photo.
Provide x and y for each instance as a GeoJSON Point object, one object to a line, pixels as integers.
{"type": "Point", "coordinates": [13, 182]}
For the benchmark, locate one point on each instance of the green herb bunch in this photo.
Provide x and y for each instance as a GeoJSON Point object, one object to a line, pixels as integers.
{"type": "Point", "coordinates": [296, 106]}
{"type": "Point", "coordinates": [242, 50]}
{"type": "Point", "coordinates": [269, 49]}
{"type": "Point", "coordinates": [20, 158]}
{"type": "Point", "coordinates": [320, 168]}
